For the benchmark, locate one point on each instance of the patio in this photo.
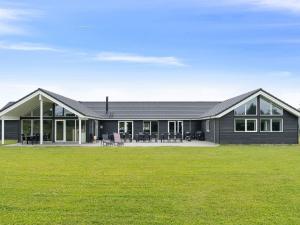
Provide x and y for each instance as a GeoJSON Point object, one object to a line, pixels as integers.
{"type": "Point", "coordinates": [126, 144]}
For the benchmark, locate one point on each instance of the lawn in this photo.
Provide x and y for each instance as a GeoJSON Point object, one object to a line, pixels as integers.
{"type": "Point", "coordinates": [225, 185]}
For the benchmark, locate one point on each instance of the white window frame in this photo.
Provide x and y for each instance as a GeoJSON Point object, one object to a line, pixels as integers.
{"type": "Point", "coordinates": [176, 128]}
{"type": "Point", "coordinates": [245, 108]}
{"type": "Point", "coordinates": [125, 124]}
{"type": "Point", "coordinates": [271, 125]}
{"type": "Point", "coordinates": [144, 125]}
{"type": "Point", "coordinates": [271, 108]}
{"type": "Point", "coordinates": [207, 125]}
{"type": "Point", "coordinates": [246, 129]}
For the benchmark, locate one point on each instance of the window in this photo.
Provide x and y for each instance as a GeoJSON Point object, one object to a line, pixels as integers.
{"type": "Point", "coordinates": [207, 125]}
{"type": "Point", "coordinates": [245, 125]}
{"type": "Point", "coordinates": [150, 127]}
{"type": "Point", "coordinates": [268, 108]}
{"type": "Point", "coordinates": [277, 125]}
{"type": "Point", "coordinates": [240, 125]}
{"type": "Point", "coordinates": [248, 109]}
{"type": "Point", "coordinates": [271, 125]}
{"type": "Point", "coordinates": [265, 125]}
{"type": "Point", "coordinates": [154, 127]}
{"type": "Point", "coordinates": [251, 125]}
{"type": "Point", "coordinates": [147, 127]}
{"type": "Point", "coordinates": [26, 127]}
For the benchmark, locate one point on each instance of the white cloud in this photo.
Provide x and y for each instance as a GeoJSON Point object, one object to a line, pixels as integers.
{"type": "Point", "coordinates": [27, 47]}
{"type": "Point", "coordinates": [290, 5]}
{"type": "Point", "coordinates": [10, 20]}
{"type": "Point", "coordinates": [140, 59]}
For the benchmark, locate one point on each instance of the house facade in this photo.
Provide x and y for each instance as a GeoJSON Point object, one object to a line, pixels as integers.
{"type": "Point", "coordinates": [256, 117]}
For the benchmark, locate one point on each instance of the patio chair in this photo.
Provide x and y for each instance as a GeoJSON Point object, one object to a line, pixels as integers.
{"type": "Point", "coordinates": [141, 136]}
{"type": "Point", "coordinates": [105, 140]}
{"type": "Point", "coordinates": [128, 137]}
{"type": "Point", "coordinates": [23, 138]}
{"type": "Point", "coordinates": [147, 137]}
{"type": "Point", "coordinates": [154, 136]}
{"type": "Point", "coordinates": [163, 137]}
{"type": "Point", "coordinates": [199, 135]}
{"type": "Point", "coordinates": [171, 137]}
{"type": "Point", "coordinates": [187, 136]}
{"type": "Point", "coordinates": [179, 137]}
{"type": "Point", "coordinates": [117, 139]}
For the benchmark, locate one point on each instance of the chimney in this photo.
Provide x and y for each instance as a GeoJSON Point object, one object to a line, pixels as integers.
{"type": "Point", "coordinates": [106, 105]}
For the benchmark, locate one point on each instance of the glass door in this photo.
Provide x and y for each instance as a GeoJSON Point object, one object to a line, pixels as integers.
{"type": "Point", "coordinates": [172, 127]}
{"type": "Point", "coordinates": [125, 127]}
{"type": "Point", "coordinates": [60, 131]}
{"type": "Point", "coordinates": [180, 127]}
{"type": "Point", "coordinates": [128, 128]}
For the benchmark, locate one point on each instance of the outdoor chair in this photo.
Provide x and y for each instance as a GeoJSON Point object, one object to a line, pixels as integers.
{"type": "Point", "coordinates": [163, 137]}
{"type": "Point", "coordinates": [147, 137]}
{"type": "Point", "coordinates": [171, 137]}
{"type": "Point", "coordinates": [179, 137]}
{"type": "Point", "coordinates": [23, 138]}
{"type": "Point", "coordinates": [117, 139]}
{"type": "Point", "coordinates": [188, 136]}
{"type": "Point", "coordinates": [141, 136]}
{"type": "Point", "coordinates": [105, 140]}
{"type": "Point", "coordinates": [154, 136]}
{"type": "Point", "coordinates": [128, 137]}
{"type": "Point", "coordinates": [199, 135]}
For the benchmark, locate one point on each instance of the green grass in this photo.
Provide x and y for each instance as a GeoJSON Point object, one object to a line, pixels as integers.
{"type": "Point", "coordinates": [9, 142]}
{"type": "Point", "coordinates": [225, 185]}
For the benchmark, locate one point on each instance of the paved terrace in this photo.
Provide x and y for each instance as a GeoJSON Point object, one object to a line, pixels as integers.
{"type": "Point", "coordinates": [126, 144]}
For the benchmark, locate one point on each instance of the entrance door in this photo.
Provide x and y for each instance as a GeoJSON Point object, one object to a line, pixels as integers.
{"type": "Point", "coordinates": [172, 127]}
{"type": "Point", "coordinates": [60, 131]}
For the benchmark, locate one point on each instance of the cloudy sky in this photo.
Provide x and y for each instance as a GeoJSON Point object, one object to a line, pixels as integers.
{"type": "Point", "coordinates": [150, 50]}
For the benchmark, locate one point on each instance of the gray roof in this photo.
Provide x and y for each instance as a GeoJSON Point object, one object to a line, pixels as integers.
{"type": "Point", "coordinates": [151, 110]}
{"type": "Point", "coordinates": [7, 105]}
{"type": "Point", "coordinates": [73, 104]}
{"type": "Point", "coordinates": [223, 106]}
{"type": "Point", "coordinates": [147, 110]}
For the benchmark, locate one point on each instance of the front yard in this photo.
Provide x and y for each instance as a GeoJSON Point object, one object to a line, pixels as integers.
{"type": "Point", "coordinates": [222, 185]}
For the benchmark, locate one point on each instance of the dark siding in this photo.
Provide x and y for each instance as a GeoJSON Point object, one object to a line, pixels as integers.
{"type": "Point", "coordinates": [11, 129]}
{"type": "Point", "coordinates": [109, 127]}
{"type": "Point", "coordinates": [187, 124]}
{"type": "Point", "coordinates": [138, 126]}
{"type": "Point", "coordinates": [163, 126]}
{"type": "Point", "coordinates": [288, 136]}
{"type": "Point", "coordinates": [196, 125]}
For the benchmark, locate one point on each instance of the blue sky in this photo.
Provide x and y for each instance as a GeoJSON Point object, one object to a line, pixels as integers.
{"type": "Point", "coordinates": [150, 50]}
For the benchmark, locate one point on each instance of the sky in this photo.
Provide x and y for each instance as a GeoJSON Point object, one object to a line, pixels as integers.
{"type": "Point", "coordinates": [191, 50]}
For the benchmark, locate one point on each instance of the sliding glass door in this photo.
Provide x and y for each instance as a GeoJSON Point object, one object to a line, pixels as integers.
{"type": "Point", "coordinates": [175, 127]}
{"type": "Point", "coordinates": [125, 127]}
{"type": "Point", "coordinates": [60, 131]}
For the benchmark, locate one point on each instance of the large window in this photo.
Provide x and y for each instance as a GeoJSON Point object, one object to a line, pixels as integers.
{"type": "Point", "coordinates": [268, 108]}
{"type": "Point", "coordinates": [26, 127]}
{"type": "Point", "coordinates": [150, 127]}
{"type": "Point", "coordinates": [147, 126]}
{"type": "Point", "coordinates": [271, 125]}
{"type": "Point", "coordinates": [245, 125]}
{"type": "Point", "coordinates": [248, 109]}
{"type": "Point", "coordinates": [60, 111]}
